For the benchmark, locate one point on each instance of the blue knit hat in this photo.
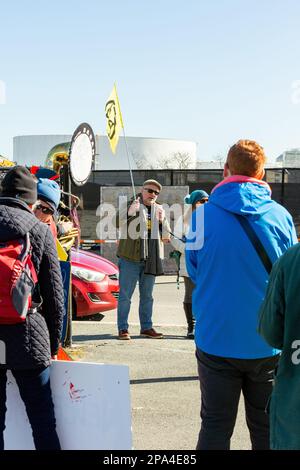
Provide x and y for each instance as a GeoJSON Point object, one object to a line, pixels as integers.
{"type": "Point", "coordinates": [196, 196]}
{"type": "Point", "coordinates": [48, 191]}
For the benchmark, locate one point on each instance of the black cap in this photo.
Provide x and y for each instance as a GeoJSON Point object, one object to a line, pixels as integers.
{"type": "Point", "coordinates": [21, 184]}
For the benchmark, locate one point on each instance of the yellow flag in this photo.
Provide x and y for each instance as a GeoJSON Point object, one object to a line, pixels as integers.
{"type": "Point", "coordinates": [114, 119]}
{"type": "Point", "coordinates": [62, 255]}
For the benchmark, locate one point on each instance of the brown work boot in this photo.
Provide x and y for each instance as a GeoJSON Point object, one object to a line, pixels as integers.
{"type": "Point", "coordinates": [151, 333]}
{"type": "Point", "coordinates": [123, 334]}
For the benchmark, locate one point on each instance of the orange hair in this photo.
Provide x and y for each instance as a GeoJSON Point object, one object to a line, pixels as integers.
{"type": "Point", "coordinates": [247, 158]}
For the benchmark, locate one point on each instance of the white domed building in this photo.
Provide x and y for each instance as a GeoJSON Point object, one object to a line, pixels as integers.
{"type": "Point", "coordinates": [145, 152]}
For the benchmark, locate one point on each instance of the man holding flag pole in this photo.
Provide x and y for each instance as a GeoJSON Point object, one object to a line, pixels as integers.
{"type": "Point", "coordinates": [143, 230]}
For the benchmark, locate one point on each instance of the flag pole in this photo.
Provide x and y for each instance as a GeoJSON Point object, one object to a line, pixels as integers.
{"type": "Point", "coordinates": [130, 170]}
{"type": "Point", "coordinates": [125, 140]}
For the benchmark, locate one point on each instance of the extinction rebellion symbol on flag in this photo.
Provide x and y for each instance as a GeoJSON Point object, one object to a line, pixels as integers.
{"type": "Point", "coordinates": [110, 113]}
{"type": "Point", "coordinates": [114, 122]}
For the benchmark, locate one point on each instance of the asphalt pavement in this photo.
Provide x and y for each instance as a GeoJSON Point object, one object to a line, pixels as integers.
{"type": "Point", "coordinates": [165, 394]}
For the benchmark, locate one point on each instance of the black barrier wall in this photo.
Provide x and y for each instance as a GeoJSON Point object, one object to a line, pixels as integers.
{"type": "Point", "coordinates": [284, 182]}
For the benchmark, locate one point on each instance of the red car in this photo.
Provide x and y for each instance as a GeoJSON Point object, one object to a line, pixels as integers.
{"type": "Point", "coordinates": [95, 284]}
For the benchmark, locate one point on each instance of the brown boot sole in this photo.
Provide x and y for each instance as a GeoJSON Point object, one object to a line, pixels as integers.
{"type": "Point", "coordinates": [152, 337]}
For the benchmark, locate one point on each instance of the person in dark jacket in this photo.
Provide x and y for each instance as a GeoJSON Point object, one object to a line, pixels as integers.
{"type": "Point", "coordinates": [280, 327]}
{"type": "Point", "coordinates": [29, 346]}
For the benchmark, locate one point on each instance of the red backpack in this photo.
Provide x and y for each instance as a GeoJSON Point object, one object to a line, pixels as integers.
{"type": "Point", "coordinates": [18, 279]}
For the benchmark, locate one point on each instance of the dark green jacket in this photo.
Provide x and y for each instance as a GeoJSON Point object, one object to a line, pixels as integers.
{"type": "Point", "coordinates": [280, 326]}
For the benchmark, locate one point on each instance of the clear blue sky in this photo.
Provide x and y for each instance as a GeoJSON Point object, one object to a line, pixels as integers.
{"type": "Point", "coordinates": [212, 71]}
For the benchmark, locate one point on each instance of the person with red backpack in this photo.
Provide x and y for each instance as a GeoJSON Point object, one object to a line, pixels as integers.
{"type": "Point", "coordinates": [31, 306]}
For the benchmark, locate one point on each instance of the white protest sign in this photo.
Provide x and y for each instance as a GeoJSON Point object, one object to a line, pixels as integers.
{"type": "Point", "coordinates": [92, 408]}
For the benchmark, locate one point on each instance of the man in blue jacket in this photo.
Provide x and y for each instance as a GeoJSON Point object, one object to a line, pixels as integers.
{"type": "Point", "coordinates": [231, 280]}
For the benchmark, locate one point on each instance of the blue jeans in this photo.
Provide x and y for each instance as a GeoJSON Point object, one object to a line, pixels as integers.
{"type": "Point", "coordinates": [34, 388]}
{"type": "Point", "coordinates": [130, 273]}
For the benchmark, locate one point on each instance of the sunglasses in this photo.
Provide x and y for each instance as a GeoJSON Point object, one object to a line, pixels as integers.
{"type": "Point", "coordinates": [45, 210]}
{"type": "Point", "coordinates": [152, 191]}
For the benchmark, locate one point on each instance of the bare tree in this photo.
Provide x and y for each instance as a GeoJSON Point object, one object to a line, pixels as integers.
{"type": "Point", "coordinates": [178, 160]}
{"type": "Point", "coordinates": [184, 160]}
{"type": "Point", "coordinates": [140, 161]}
{"type": "Point", "coordinates": [165, 163]}
{"type": "Point", "coordinates": [220, 159]}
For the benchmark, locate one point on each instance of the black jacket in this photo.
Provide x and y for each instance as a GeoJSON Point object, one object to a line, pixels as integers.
{"type": "Point", "coordinates": [30, 344]}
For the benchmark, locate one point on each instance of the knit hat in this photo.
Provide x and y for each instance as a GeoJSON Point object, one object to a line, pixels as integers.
{"type": "Point", "coordinates": [196, 196]}
{"type": "Point", "coordinates": [20, 184]}
{"type": "Point", "coordinates": [48, 191]}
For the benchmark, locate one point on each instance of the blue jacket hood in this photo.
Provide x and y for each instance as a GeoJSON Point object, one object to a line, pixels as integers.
{"type": "Point", "coordinates": [229, 276]}
{"type": "Point", "coordinates": [243, 198]}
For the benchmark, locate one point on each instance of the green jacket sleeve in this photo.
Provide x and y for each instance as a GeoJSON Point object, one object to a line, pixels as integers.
{"type": "Point", "coordinates": [271, 322]}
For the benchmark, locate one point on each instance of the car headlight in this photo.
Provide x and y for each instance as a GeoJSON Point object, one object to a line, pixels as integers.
{"type": "Point", "coordinates": [87, 274]}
